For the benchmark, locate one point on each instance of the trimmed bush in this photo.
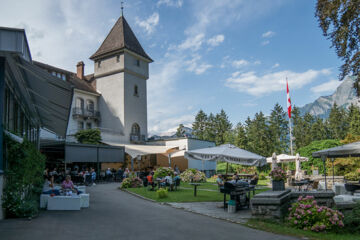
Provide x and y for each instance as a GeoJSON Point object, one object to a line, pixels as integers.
{"type": "Point", "coordinates": [352, 219]}
{"type": "Point", "coordinates": [163, 172]}
{"type": "Point", "coordinates": [162, 193]}
{"type": "Point", "coordinates": [307, 215]}
{"type": "Point", "coordinates": [131, 182]}
{"type": "Point", "coordinates": [192, 175]}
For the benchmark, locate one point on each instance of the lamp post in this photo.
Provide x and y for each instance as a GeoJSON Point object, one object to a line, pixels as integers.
{"type": "Point", "coordinates": [323, 158]}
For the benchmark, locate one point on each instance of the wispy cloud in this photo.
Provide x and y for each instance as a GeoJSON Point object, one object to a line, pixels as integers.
{"type": "Point", "coordinates": [276, 65]}
{"type": "Point", "coordinates": [268, 34]}
{"type": "Point", "coordinates": [148, 24]}
{"type": "Point", "coordinates": [329, 86]}
{"type": "Point", "coordinates": [264, 43]}
{"type": "Point", "coordinates": [196, 65]}
{"type": "Point", "coordinates": [216, 40]}
{"type": "Point", "coordinates": [255, 85]}
{"type": "Point", "coordinates": [170, 3]}
{"type": "Point", "coordinates": [240, 63]}
{"type": "Point", "coordinates": [193, 42]}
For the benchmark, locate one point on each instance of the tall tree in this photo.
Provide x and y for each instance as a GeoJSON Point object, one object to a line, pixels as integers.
{"type": "Point", "coordinates": [319, 130]}
{"type": "Point", "coordinates": [210, 129]}
{"type": "Point", "coordinates": [180, 130]}
{"type": "Point", "coordinates": [354, 120]}
{"type": "Point", "coordinates": [222, 126]}
{"type": "Point", "coordinates": [258, 134]}
{"type": "Point", "coordinates": [340, 22]}
{"type": "Point", "coordinates": [278, 126]}
{"type": "Point", "coordinates": [199, 124]}
{"type": "Point", "coordinates": [298, 124]}
{"type": "Point", "coordinates": [337, 122]}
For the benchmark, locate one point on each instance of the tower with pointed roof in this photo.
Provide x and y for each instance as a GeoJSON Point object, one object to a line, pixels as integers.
{"type": "Point", "coordinates": [121, 68]}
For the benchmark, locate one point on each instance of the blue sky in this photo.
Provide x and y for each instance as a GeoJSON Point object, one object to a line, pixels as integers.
{"type": "Point", "coordinates": [230, 54]}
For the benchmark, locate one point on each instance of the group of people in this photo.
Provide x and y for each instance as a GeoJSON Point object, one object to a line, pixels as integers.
{"type": "Point", "coordinates": [67, 187]}
{"type": "Point", "coordinates": [86, 175]}
{"type": "Point", "coordinates": [236, 178]}
{"type": "Point", "coordinates": [163, 182]}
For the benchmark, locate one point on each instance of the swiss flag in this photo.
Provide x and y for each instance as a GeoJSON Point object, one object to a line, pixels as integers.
{"type": "Point", "coordinates": [288, 99]}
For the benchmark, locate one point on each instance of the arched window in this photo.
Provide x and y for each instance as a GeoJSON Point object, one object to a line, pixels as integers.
{"type": "Point", "coordinates": [90, 105]}
{"type": "Point", "coordinates": [80, 104]}
{"type": "Point", "coordinates": [135, 129]}
{"type": "Point", "coordinates": [136, 91]}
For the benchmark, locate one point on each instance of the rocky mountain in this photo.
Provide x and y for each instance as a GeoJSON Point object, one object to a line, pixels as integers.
{"type": "Point", "coordinates": [344, 95]}
{"type": "Point", "coordinates": [187, 133]}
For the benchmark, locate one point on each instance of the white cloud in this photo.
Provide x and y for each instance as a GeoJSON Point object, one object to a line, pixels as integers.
{"type": "Point", "coordinates": [268, 34]}
{"type": "Point", "coordinates": [148, 24]}
{"type": "Point", "coordinates": [240, 63]}
{"type": "Point", "coordinates": [329, 86]}
{"type": "Point", "coordinates": [216, 40]}
{"type": "Point", "coordinates": [195, 65]}
{"type": "Point", "coordinates": [257, 62]}
{"type": "Point", "coordinates": [264, 43]}
{"type": "Point", "coordinates": [168, 126]}
{"type": "Point", "coordinates": [252, 84]}
{"type": "Point", "coordinates": [276, 65]}
{"type": "Point", "coordinates": [193, 42]}
{"type": "Point", "coordinates": [170, 3]}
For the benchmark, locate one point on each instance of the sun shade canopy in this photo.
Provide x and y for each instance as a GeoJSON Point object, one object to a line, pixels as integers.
{"type": "Point", "coordinates": [226, 153]}
{"type": "Point", "coordinates": [135, 150]}
{"type": "Point", "coordinates": [347, 150]}
{"type": "Point", "coordinates": [47, 98]}
{"type": "Point", "coordinates": [283, 158]}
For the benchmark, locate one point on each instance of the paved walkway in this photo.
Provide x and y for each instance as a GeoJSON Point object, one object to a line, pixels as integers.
{"type": "Point", "coordinates": [114, 214]}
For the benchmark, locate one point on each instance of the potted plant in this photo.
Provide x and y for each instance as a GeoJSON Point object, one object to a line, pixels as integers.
{"type": "Point", "coordinates": [278, 177]}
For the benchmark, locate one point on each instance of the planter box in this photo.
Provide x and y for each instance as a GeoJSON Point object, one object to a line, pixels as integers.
{"type": "Point", "coordinates": [278, 185]}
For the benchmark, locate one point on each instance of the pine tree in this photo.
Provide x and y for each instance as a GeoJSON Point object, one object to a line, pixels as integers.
{"type": "Point", "coordinates": [258, 135]}
{"type": "Point", "coordinates": [222, 126]}
{"type": "Point", "coordinates": [240, 139]}
{"type": "Point", "coordinates": [354, 120]}
{"type": "Point", "coordinates": [180, 131]}
{"type": "Point", "coordinates": [319, 130]}
{"type": "Point", "coordinates": [297, 130]}
{"type": "Point", "coordinates": [210, 129]}
{"type": "Point", "coordinates": [337, 123]}
{"type": "Point", "coordinates": [199, 125]}
{"type": "Point", "coordinates": [278, 126]}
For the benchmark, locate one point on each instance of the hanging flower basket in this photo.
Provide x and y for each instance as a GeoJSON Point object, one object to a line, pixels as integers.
{"type": "Point", "coordinates": [278, 179]}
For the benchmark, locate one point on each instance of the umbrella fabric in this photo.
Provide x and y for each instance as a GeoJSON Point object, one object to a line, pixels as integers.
{"type": "Point", "coordinates": [226, 153]}
{"type": "Point", "coordinates": [347, 150]}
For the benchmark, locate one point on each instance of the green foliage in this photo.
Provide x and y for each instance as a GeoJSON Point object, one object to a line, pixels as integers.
{"type": "Point", "coordinates": [163, 172]}
{"type": "Point", "coordinates": [278, 174]}
{"type": "Point", "coordinates": [352, 219]}
{"type": "Point", "coordinates": [162, 193]}
{"type": "Point", "coordinates": [262, 176]}
{"type": "Point", "coordinates": [307, 215]}
{"type": "Point", "coordinates": [131, 182]}
{"type": "Point", "coordinates": [313, 147]}
{"type": "Point", "coordinates": [352, 176]}
{"type": "Point", "coordinates": [221, 167]}
{"type": "Point", "coordinates": [339, 21]}
{"type": "Point", "coordinates": [180, 130]}
{"type": "Point", "coordinates": [199, 125]}
{"type": "Point", "coordinates": [354, 120]}
{"type": "Point", "coordinates": [24, 179]}
{"type": "Point", "coordinates": [337, 122]}
{"type": "Point", "coordinates": [89, 136]}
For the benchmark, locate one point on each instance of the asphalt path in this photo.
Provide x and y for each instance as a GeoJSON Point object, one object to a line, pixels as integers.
{"type": "Point", "coordinates": [114, 214]}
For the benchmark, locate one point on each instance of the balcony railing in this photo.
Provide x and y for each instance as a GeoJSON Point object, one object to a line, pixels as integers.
{"type": "Point", "coordinates": [137, 138]}
{"type": "Point", "coordinates": [86, 113]}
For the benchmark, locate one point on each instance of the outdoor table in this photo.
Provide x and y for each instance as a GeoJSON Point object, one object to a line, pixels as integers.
{"type": "Point", "coordinates": [301, 183]}
{"type": "Point", "coordinates": [195, 187]}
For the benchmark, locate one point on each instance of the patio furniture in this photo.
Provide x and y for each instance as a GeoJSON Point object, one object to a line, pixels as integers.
{"type": "Point", "coordinates": [177, 183]}
{"type": "Point", "coordinates": [195, 187]}
{"type": "Point", "coordinates": [64, 203]}
{"type": "Point", "coordinates": [84, 200]}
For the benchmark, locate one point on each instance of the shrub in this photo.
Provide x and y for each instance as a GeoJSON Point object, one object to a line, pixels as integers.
{"type": "Point", "coordinates": [24, 179]}
{"type": "Point", "coordinates": [88, 136]}
{"type": "Point", "coordinates": [352, 219]}
{"type": "Point", "coordinates": [278, 174]}
{"type": "Point", "coordinates": [163, 172]}
{"type": "Point", "coordinates": [131, 182]}
{"type": "Point", "coordinates": [262, 176]}
{"type": "Point", "coordinates": [193, 175]}
{"type": "Point", "coordinates": [353, 176]}
{"type": "Point", "coordinates": [162, 193]}
{"type": "Point", "coordinates": [307, 215]}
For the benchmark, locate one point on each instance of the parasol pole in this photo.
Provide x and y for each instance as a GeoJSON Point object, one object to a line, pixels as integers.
{"type": "Point", "coordinates": [227, 166]}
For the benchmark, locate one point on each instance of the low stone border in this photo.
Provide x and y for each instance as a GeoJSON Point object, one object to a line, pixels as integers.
{"type": "Point", "coordinates": [181, 208]}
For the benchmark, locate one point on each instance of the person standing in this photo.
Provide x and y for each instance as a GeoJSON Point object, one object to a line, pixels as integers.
{"type": "Point", "coordinates": [93, 176]}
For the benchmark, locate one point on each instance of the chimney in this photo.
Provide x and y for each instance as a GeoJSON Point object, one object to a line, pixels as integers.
{"type": "Point", "coordinates": [80, 70]}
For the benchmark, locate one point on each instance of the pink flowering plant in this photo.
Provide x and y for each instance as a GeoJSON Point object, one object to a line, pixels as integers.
{"type": "Point", "coordinates": [307, 215]}
{"type": "Point", "coordinates": [278, 174]}
{"type": "Point", "coordinates": [192, 175]}
{"type": "Point", "coordinates": [131, 182]}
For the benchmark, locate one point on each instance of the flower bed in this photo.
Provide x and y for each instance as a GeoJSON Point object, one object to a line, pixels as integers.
{"type": "Point", "coordinates": [192, 175]}
{"type": "Point", "coordinates": [307, 215]}
{"type": "Point", "coordinates": [131, 182]}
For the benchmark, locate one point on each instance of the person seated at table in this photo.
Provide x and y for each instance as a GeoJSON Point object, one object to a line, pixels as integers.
{"type": "Point", "coordinates": [176, 177]}
{"type": "Point", "coordinates": [68, 185]}
{"type": "Point", "coordinates": [220, 181]}
{"type": "Point", "coordinates": [48, 187]}
{"type": "Point", "coordinates": [233, 179]}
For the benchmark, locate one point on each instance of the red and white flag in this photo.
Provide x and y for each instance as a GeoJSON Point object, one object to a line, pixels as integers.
{"type": "Point", "coordinates": [288, 99]}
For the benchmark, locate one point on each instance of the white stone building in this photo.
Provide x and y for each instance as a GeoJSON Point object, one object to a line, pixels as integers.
{"type": "Point", "coordinates": [114, 98]}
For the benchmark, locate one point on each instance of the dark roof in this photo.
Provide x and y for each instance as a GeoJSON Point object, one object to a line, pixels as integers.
{"type": "Point", "coordinates": [121, 36]}
{"type": "Point", "coordinates": [70, 77]}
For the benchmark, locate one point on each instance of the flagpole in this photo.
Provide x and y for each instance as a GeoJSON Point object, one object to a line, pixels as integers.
{"type": "Point", "coordinates": [291, 145]}
{"type": "Point", "coordinates": [289, 115]}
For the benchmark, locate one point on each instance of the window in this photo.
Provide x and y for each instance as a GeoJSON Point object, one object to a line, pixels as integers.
{"type": "Point", "coordinates": [63, 77]}
{"type": "Point", "coordinates": [137, 62]}
{"type": "Point", "coordinates": [80, 125]}
{"type": "Point", "coordinates": [99, 64]}
{"type": "Point", "coordinates": [88, 125]}
{"type": "Point", "coordinates": [80, 103]}
{"type": "Point", "coordinates": [135, 129]}
{"type": "Point", "coordinates": [90, 105]}
{"type": "Point", "coordinates": [58, 75]}
{"type": "Point", "coordinates": [53, 73]}
{"type": "Point", "coordinates": [118, 58]}
{"type": "Point", "coordinates": [136, 91]}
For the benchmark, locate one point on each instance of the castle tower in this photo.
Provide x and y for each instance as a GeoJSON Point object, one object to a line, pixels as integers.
{"type": "Point", "coordinates": [121, 68]}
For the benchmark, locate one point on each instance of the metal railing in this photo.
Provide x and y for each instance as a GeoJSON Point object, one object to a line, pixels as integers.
{"type": "Point", "coordinates": [137, 138]}
{"type": "Point", "coordinates": [86, 113]}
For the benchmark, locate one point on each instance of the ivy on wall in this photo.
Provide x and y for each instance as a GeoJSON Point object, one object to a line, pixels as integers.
{"type": "Point", "coordinates": [88, 136]}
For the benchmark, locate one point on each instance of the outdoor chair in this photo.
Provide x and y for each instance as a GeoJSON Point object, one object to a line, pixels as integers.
{"type": "Point", "coordinates": [177, 183]}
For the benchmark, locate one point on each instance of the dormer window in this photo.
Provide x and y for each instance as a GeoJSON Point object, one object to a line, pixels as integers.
{"type": "Point", "coordinates": [137, 62]}
{"type": "Point", "coordinates": [118, 58]}
{"type": "Point", "coordinates": [136, 91]}
{"type": "Point", "coordinates": [99, 64]}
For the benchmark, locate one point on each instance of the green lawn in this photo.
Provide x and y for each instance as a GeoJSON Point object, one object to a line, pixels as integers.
{"type": "Point", "coordinates": [275, 227]}
{"type": "Point", "coordinates": [207, 185]}
{"type": "Point", "coordinates": [185, 195]}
